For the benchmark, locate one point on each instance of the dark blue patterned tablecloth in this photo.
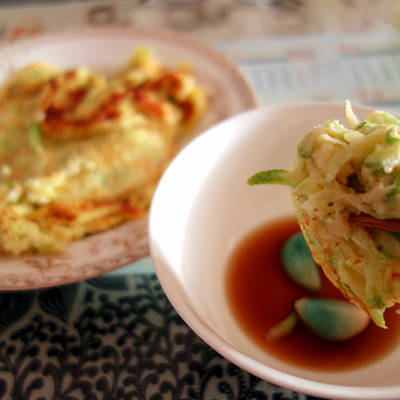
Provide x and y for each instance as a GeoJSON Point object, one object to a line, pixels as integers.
{"type": "Point", "coordinates": [112, 337]}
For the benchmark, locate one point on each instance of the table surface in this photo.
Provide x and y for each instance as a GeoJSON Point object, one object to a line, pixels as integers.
{"type": "Point", "coordinates": [117, 336]}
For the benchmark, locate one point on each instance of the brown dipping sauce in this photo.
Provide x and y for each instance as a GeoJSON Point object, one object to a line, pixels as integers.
{"type": "Point", "coordinates": [261, 295]}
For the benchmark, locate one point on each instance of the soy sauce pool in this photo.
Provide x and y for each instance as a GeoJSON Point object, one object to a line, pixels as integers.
{"type": "Point", "coordinates": [261, 295]}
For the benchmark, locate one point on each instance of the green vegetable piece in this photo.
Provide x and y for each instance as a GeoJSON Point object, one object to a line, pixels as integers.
{"type": "Point", "coordinates": [141, 55]}
{"type": "Point", "coordinates": [392, 195]}
{"type": "Point", "coordinates": [378, 172]}
{"type": "Point", "coordinates": [372, 163]}
{"type": "Point", "coordinates": [45, 248]}
{"type": "Point", "coordinates": [299, 265]}
{"type": "Point", "coordinates": [385, 155]}
{"type": "Point", "coordinates": [382, 117]}
{"type": "Point", "coordinates": [360, 126]}
{"type": "Point", "coordinates": [383, 250]}
{"type": "Point", "coordinates": [304, 149]}
{"type": "Point", "coordinates": [35, 137]}
{"type": "Point", "coordinates": [396, 179]}
{"type": "Point", "coordinates": [331, 319]}
{"type": "Point", "coordinates": [282, 329]}
{"type": "Point", "coordinates": [273, 176]}
{"type": "Point", "coordinates": [390, 137]}
{"type": "Point", "coordinates": [377, 301]}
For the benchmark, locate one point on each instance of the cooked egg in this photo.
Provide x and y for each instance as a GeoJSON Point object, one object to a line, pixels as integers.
{"type": "Point", "coordinates": [81, 152]}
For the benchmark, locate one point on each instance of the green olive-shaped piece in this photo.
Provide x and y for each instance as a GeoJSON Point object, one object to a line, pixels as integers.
{"type": "Point", "coordinates": [299, 265]}
{"type": "Point", "coordinates": [331, 319]}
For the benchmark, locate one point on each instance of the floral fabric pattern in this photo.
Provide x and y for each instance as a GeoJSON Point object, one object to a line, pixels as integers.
{"type": "Point", "coordinates": [112, 337]}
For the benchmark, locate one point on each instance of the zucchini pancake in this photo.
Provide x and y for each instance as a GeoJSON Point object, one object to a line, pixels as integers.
{"type": "Point", "coordinates": [342, 171]}
{"type": "Point", "coordinates": [81, 152]}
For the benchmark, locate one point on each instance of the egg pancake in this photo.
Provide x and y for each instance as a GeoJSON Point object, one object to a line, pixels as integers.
{"type": "Point", "coordinates": [81, 152]}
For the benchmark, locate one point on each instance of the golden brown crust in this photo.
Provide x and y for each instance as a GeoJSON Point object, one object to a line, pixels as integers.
{"type": "Point", "coordinates": [85, 150]}
{"type": "Point", "coordinates": [62, 102]}
{"type": "Point", "coordinates": [324, 252]}
{"type": "Point", "coordinates": [166, 102]}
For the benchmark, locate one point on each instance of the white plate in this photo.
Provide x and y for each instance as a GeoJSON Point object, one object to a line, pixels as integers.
{"type": "Point", "coordinates": [202, 209]}
{"type": "Point", "coordinates": [107, 50]}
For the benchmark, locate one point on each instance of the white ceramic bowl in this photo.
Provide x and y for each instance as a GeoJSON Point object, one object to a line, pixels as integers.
{"type": "Point", "coordinates": [203, 207]}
